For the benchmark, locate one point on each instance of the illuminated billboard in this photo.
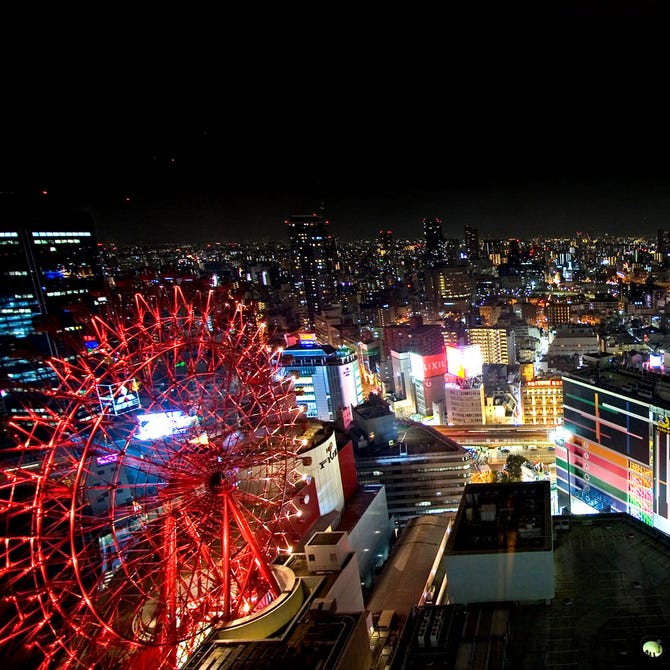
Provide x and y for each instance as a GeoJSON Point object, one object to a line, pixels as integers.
{"type": "Point", "coordinates": [307, 339]}
{"type": "Point", "coordinates": [655, 361]}
{"type": "Point", "coordinates": [120, 397]}
{"type": "Point", "coordinates": [161, 424]}
{"type": "Point", "coordinates": [464, 362]}
{"type": "Point", "coordinates": [427, 366]}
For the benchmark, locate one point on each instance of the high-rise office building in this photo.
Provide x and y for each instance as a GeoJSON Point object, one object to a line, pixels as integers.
{"type": "Point", "coordinates": [434, 239]}
{"type": "Point", "coordinates": [449, 288]}
{"type": "Point", "coordinates": [315, 264]}
{"type": "Point", "coordinates": [50, 270]}
{"type": "Point", "coordinates": [663, 245]}
{"type": "Point", "coordinates": [472, 242]}
{"type": "Point", "coordinates": [514, 254]}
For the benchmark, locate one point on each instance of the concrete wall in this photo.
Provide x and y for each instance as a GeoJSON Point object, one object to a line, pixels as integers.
{"type": "Point", "coordinates": [501, 576]}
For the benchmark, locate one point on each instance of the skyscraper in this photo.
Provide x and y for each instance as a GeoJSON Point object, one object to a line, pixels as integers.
{"type": "Point", "coordinates": [663, 245]}
{"type": "Point", "coordinates": [315, 264]}
{"type": "Point", "coordinates": [50, 270]}
{"type": "Point", "coordinates": [434, 237]}
{"type": "Point", "coordinates": [472, 242]}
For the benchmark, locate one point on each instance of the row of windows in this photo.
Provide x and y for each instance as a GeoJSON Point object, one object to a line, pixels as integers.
{"type": "Point", "coordinates": [394, 495]}
{"type": "Point", "coordinates": [56, 294]}
{"type": "Point", "coordinates": [420, 481]}
{"type": "Point", "coordinates": [59, 234]}
{"type": "Point", "coordinates": [418, 474]}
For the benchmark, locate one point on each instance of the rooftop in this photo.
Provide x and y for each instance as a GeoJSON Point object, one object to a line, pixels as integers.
{"type": "Point", "coordinates": [612, 578]}
{"type": "Point", "coordinates": [415, 439]}
{"type": "Point", "coordinates": [327, 539]}
{"type": "Point", "coordinates": [503, 517]}
{"type": "Point", "coordinates": [631, 381]}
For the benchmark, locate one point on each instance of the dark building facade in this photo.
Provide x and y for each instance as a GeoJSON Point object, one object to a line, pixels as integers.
{"type": "Point", "coordinates": [50, 271]}
{"type": "Point", "coordinates": [434, 239]}
{"type": "Point", "coordinates": [472, 242]}
{"type": "Point", "coordinates": [315, 264]}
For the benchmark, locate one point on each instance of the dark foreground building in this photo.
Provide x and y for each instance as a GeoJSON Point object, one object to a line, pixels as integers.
{"type": "Point", "coordinates": [611, 609]}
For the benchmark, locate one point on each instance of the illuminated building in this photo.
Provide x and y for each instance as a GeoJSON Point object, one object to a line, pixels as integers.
{"type": "Point", "coordinates": [315, 264]}
{"type": "Point", "coordinates": [424, 339]}
{"type": "Point", "coordinates": [418, 359]}
{"type": "Point", "coordinates": [490, 311]}
{"type": "Point", "coordinates": [472, 242]}
{"type": "Point", "coordinates": [370, 356]}
{"type": "Point", "coordinates": [434, 240]}
{"type": "Point", "coordinates": [558, 313]}
{"type": "Point", "coordinates": [542, 401]}
{"type": "Point", "coordinates": [326, 380]}
{"type": "Point", "coordinates": [464, 392]}
{"type": "Point", "coordinates": [427, 375]}
{"type": "Point", "coordinates": [449, 288]}
{"type": "Point", "coordinates": [50, 269]}
{"type": "Point", "coordinates": [496, 344]}
{"type": "Point", "coordinates": [464, 405]}
{"type": "Point", "coordinates": [663, 245]}
{"type": "Point", "coordinates": [495, 250]}
{"type": "Point", "coordinates": [613, 453]}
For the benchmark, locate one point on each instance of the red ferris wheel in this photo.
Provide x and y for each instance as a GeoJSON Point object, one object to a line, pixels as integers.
{"type": "Point", "coordinates": [147, 494]}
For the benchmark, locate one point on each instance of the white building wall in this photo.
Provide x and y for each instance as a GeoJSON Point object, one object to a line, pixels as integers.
{"type": "Point", "coordinates": [351, 386]}
{"type": "Point", "coordinates": [464, 405]}
{"type": "Point", "coordinates": [346, 590]}
{"type": "Point", "coordinates": [402, 385]}
{"type": "Point", "coordinates": [501, 576]}
{"type": "Point", "coordinates": [325, 471]}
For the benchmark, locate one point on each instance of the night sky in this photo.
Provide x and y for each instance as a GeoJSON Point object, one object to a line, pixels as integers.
{"type": "Point", "coordinates": [518, 129]}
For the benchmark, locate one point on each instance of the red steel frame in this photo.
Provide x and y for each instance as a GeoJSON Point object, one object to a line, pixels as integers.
{"type": "Point", "coordinates": [95, 580]}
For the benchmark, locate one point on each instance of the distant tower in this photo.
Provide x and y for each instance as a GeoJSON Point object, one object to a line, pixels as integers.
{"type": "Point", "coordinates": [385, 241]}
{"type": "Point", "coordinates": [663, 245]}
{"type": "Point", "coordinates": [513, 254]}
{"type": "Point", "coordinates": [472, 242]}
{"type": "Point", "coordinates": [315, 264]}
{"type": "Point", "coordinates": [434, 237]}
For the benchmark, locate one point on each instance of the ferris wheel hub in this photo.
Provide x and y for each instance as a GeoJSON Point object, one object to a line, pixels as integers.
{"type": "Point", "coordinates": [222, 482]}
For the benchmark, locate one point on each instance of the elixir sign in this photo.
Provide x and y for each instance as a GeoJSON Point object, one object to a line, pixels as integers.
{"type": "Point", "coordinates": [427, 366]}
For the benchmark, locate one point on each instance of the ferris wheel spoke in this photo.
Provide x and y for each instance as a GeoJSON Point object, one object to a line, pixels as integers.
{"type": "Point", "coordinates": [145, 497]}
